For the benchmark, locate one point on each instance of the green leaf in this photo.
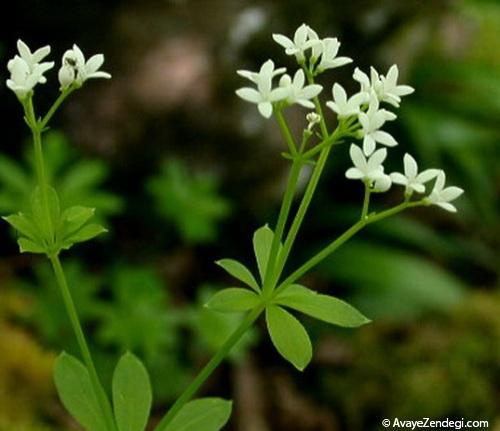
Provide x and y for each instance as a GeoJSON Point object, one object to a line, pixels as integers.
{"type": "Point", "coordinates": [75, 391]}
{"type": "Point", "coordinates": [262, 243]}
{"type": "Point", "coordinates": [233, 299]}
{"type": "Point", "coordinates": [131, 394]}
{"type": "Point", "coordinates": [289, 336]}
{"type": "Point", "coordinates": [46, 221]}
{"type": "Point", "coordinates": [322, 307]}
{"type": "Point", "coordinates": [28, 246]}
{"type": "Point", "coordinates": [84, 234]}
{"type": "Point", "coordinates": [74, 218]}
{"type": "Point", "coordinates": [204, 414]}
{"type": "Point", "coordinates": [239, 271]}
{"type": "Point", "coordinates": [23, 224]}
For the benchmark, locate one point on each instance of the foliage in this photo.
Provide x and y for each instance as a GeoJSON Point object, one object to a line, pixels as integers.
{"type": "Point", "coordinates": [189, 200]}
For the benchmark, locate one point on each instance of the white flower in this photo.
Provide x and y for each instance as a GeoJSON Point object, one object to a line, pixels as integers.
{"type": "Point", "coordinates": [385, 87]}
{"type": "Point", "coordinates": [76, 70]}
{"type": "Point", "coordinates": [33, 59]}
{"type": "Point", "coordinates": [368, 170]}
{"type": "Point", "coordinates": [26, 70]}
{"type": "Point", "coordinates": [264, 96]}
{"type": "Point", "coordinates": [297, 92]}
{"type": "Point", "coordinates": [442, 196]}
{"type": "Point", "coordinates": [345, 107]}
{"type": "Point", "coordinates": [304, 38]}
{"type": "Point", "coordinates": [22, 78]}
{"type": "Point", "coordinates": [371, 121]}
{"type": "Point", "coordinates": [390, 91]}
{"type": "Point", "coordinates": [329, 48]}
{"type": "Point", "coordinates": [412, 179]}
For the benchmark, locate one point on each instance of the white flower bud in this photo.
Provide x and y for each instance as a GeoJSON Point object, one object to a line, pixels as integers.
{"type": "Point", "coordinates": [66, 76]}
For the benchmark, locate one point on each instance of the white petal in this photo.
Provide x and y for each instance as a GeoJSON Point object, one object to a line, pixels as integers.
{"type": "Point", "coordinates": [368, 145]}
{"type": "Point", "coordinates": [333, 106]}
{"type": "Point", "coordinates": [339, 94]}
{"type": "Point", "coordinates": [357, 156]}
{"type": "Point", "coordinates": [99, 74]}
{"type": "Point", "coordinates": [94, 63]}
{"type": "Point", "coordinates": [427, 175]}
{"type": "Point", "coordinates": [266, 109]}
{"type": "Point", "coordinates": [384, 138]}
{"type": "Point", "coordinates": [447, 206]}
{"type": "Point", "coordinates": [311, 91]}
{"type": "Point", "coordinates": [305, 103]}
{"type": "Point", "coordinates": [410, 165]}
{"type": "Point", "coordinates": [41, 53]}
{"type": "Point", "coordinates": [354, 174]}
{"type": "Point", "coordinates": [279, 93]}
{"type": "Point", "coordinates": [392, 74]}
{"type": "Point", "coordinates": [451, 193]}
{"type": "Point", "coordinates": [399, 178]}
{"type": "Point", "coordinates": [419, 188]}
{"type": "Point", "coordinates": [299, 79]}
{"type": "Point", "coordinates": [24, 50]}
{"type": "Point", "coordinates": [403, 90]}
{"type": "Point", "coordinates": [377, 158]}
{"type": "Point", "coordinates": [284, 41]}
{"type": "Point", "coordinates": [249, 94]}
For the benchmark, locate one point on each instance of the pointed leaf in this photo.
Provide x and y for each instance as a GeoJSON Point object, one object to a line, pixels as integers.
{"type": "Point", "coordinates": [75, 391]}
{"type": "Point", "coordinates": [204, 414]}
{"type": "Point", "coordinates": [131, 394]}
{"type": "Point", "coordinates": [74, 218]}
{"type": "Point", "coordinates": [289, 336]}
{"type": "Point", "coordinates": [28, 246]}
{"type": "Point", "coordinates": [233, 299]}
{"type": "Point", "coordinates": [23, 224]}
{"type": "Point", "coordinates": [322, 307]}
{"type": "Point", "coordinates": [84, 234]}
{"type": "Point", "coordinates": [262, 243]}
{"type": "Point", "coordinates": [239, 271]}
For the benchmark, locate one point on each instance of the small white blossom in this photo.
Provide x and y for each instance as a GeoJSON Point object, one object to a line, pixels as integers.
{"type": "Point", "coordinates": [304, 38]}
{"type": "Point", "coordinates": [390, 91]}
{"type": "Point", "coordinates": [329, 48]}
{"type": "Point", "coordinates": [297, 92]}
{"type": "Point", "coordinates": [368, 170]}
{"type": "Point", "coordinates": [371, 121]}
{"type": "Point", "coordinates": [25, 69]}
{"type": "Point", "coordinates": [382, 184]}
{"type": "Point", "coordinates": [264, 96]}
{"type": "Point", "coordinates": [412, 179]}
{"type": "Point", "coordinates": [442, 196]}
{"type": "Point", "coordinates": [33, 59]}
{"type": "Point", "coordinates": [76, 70]}
{"type": "Point", "coordinates": [385, 87]}
{"type": "Point", "coordinates": [345, 107]}
{"type": "Point", "coordinates": [312, 119]}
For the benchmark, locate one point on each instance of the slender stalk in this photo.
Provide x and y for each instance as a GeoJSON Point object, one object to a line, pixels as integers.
{"type": "Point", "coordinates": [280, 226]}
{"type": "Point", "coordinates": [82, 343]}
{"type": "Point", "coordinates": [249, 319]}
{"type": "Point", "coordinates": [64, 94]}
{"type": "Point", "coordinates": [292, 146]}
{"type": "Point", "coordinates": [334, 245]}
{"type": "Point", "coordinates": [366, 202]}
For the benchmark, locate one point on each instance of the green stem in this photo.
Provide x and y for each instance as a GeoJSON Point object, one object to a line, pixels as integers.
{"type": "Point", "coordinates": [334, 245]}
{"type": "Point", "coordinates": [366, 202]}
{"type": "Point", "coordinates": [249, 319]}
{"type": "Point", "coordinates": [292, 146]}
{"type": "Point", "coordinates": [280, 226]}
{"type": "Point", "coordinates": [64, 94]}
{"type": "Point", "coordinates": [80, 337]}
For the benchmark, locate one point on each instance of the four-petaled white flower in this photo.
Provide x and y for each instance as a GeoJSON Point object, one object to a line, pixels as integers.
{"type": "Point", "coordinates": [329, 48]}
{"type": "Point", "coordinates": [75, 70]}
{"type": "Point", "coordinates": [368, 170]}
{"type": "Point", "coordinates": [371, 121]}
{"type": "Point", "coordinates": [345, 107]}
{"type": "Point", "coordinates": [304, 38]}
{"type": "Point", "coordinates": [25, 69]}
{"type": "Point", "coordinates": [265, 95]}
{"type": "Point", "coordinates": [442, 196]}
{"type": "Point", "coordinates": [297, 92]}
{"type": "Point", "coordinates": [412, 179]}
{"type": "Point", "coordinates": [390, 91]}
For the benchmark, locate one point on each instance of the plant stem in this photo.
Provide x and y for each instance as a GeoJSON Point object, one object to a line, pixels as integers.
{"type": "Point", "coordinates": [80, 337]}
{"type": "Point", "coordinates": [64, 94]}
{"type": "Point", "coordinates": [334, 245]}
{"type": "Point", "coordinates": [366, 202]}
{"type": "Point", "coordinates": [247, 322]}
{"type": "Point", "coordinates": [292, 146]}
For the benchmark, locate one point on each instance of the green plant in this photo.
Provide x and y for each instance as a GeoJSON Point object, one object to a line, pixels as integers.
{"type": "Point", "coordinates": [49, 227]}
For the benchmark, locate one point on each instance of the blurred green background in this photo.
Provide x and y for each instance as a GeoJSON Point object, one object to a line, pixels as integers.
{"type": "Point", "coordinates": [182, 172]}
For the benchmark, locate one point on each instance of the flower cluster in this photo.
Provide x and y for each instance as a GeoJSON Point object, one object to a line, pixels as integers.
{"type": "Point", "coordinates": [363, 112]}
{"type": "Point", "coordinates": [27, 69]}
